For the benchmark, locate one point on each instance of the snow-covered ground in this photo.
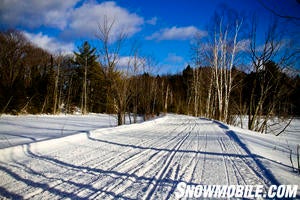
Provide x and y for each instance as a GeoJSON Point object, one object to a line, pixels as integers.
{"type": "Point", "coordinates": [22, 129]}
{"type": "Point", "coordinates": [141, 161]}
{"type": "Point", "coordinates": [274, 152]}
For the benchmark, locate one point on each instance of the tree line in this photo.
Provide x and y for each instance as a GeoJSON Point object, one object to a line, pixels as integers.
{"type": "Point", "coordinates": [218, 86]}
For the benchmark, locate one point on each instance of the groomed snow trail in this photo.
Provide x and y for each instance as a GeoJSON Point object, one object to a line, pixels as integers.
{"type": "Point", "coordinates": [142, 161]}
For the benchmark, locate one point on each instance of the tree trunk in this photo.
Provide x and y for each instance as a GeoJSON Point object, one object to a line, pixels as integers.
{"type": "Point", "coordinates": [120, 118]}
{"type": "Point", "coordinates": [55, 91]}
{"type": "Point", "coordinates": [166, 100]}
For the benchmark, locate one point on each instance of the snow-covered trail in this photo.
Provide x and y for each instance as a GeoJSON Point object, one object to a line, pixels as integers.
{"type": "Point", "coordinates": [142, 161]}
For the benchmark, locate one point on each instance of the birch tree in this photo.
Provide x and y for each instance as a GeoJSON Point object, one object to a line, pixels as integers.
{"type": "Point", "coordinates": [220, 54]}
{"type": "Point", "coordinates": [222, 58]}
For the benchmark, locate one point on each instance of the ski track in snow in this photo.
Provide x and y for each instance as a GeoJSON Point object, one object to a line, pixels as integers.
{"type": "Point", "coordinates": [141, 161]}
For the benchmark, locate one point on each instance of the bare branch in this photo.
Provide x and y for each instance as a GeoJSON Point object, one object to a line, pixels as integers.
{"type": "Point", "coordinates": [277, 13]}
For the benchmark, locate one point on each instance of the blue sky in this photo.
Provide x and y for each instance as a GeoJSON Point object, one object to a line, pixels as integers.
{"type": "Point", "coordinates": [163, 28]}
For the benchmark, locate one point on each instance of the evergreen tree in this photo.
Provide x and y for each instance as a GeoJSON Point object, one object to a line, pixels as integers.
{"type": "Point", "coordinates": [91, 75]}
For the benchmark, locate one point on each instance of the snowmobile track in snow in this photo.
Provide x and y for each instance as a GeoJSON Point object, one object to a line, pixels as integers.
{"type": "Point", "coordinates": [141, 161]}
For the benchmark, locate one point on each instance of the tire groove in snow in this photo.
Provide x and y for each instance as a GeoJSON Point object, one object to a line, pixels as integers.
{"type": "Point", "coordinates": [161, 173]}
{"type": "Point", "coordinates": [253, 172]}
{"type": "Point", "coordinates": [140, 156]}
{"type": "Point", "coordinates": [223, 147]}
{"type": "Point", "coordinates": [162, 150]}
{"type": "Point", "coordinates": [135, 167]}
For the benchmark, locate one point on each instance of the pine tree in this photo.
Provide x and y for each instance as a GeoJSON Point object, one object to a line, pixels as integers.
{"type": "Point", "coordinates": [86, 59]}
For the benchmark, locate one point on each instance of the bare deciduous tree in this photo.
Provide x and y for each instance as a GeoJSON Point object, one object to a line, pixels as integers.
{"type": "Point", "coordinates": [111, 44]}
{"type": "Point", "coordinates": [267, 75]}
{"type": "Point", "coordinates": [220, 55]}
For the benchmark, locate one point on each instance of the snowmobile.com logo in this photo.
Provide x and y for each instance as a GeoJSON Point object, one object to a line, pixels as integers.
{"type": "Point", "coordinates": [184, 190]}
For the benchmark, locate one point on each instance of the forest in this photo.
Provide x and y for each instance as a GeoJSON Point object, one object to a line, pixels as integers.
{"type": "Point", "coordinates": [224, 79]}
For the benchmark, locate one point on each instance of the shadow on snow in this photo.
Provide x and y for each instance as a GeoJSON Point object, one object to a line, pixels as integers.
{"type": "Point", "coordinates": [117, 174]}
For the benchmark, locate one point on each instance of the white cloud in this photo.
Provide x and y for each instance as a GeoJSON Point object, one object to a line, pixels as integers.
{"type": "Point", "coordinates": [173, 58]}
{"type": "Point", "coordinates": [152, 21]}
{"type": "Point", "coordinates": [174, 33]}
{"type": "Point", "coordinates": [124, 61]}
{"type": "Point", "coordinates": [84, 21]}
{"type": "Point", "coordinates": [129, 61]}
{"type": "Point", "coordinates": [50, 44]}
{"type": "Point", "coordinates": [172, 68]}
{"type": "Point", "coordinates": [73, 21]}
{"type": "Point", "coordinates": [36, 13]}
{"type": "Point", "coordinates": [243, 45]}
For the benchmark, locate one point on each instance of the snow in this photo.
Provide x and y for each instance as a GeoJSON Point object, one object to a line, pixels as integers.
{"type": "Point", "coordinates": [22, 129]}
{"type": "Point", "coordinates": [139, 161]}
{"type": "Point", "coordinates": [274, 151]}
